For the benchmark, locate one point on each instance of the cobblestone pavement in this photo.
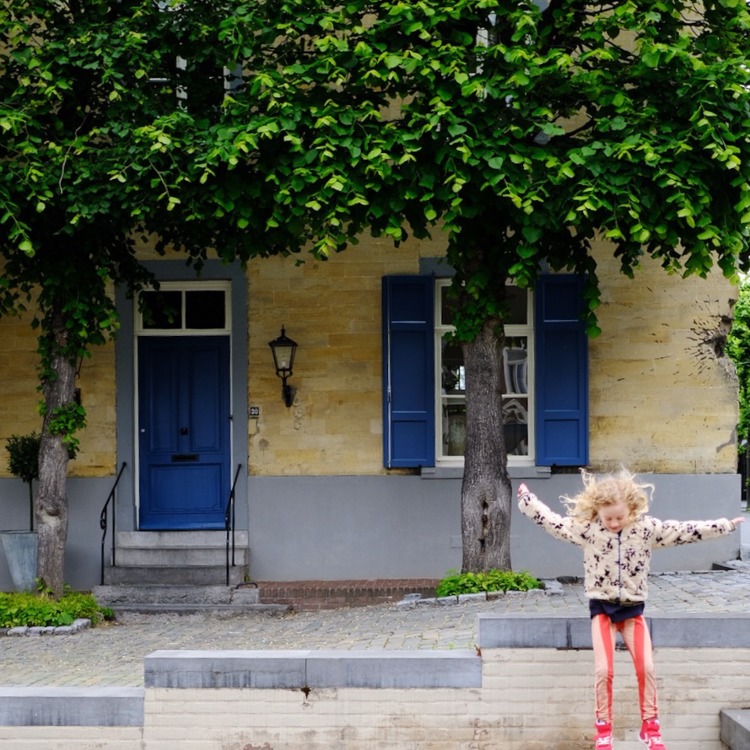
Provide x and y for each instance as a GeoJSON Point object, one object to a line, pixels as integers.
{"type": "Point", "coordinates": [112, 655]}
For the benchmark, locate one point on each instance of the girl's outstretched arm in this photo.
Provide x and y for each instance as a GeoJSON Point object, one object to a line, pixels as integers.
{"type": "Point", "coordinates": [671, 533]}
{"type": "Point", "coordinates": [560, 527]}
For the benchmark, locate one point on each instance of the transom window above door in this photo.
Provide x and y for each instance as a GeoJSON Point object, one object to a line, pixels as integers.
{"type": "Point", "coordinates": [185, 307]}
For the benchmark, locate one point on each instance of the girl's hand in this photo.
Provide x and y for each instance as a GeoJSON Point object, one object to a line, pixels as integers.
{"type": "Point", "coordinates": [522, 489]}
{"type": "Point", "coordinates": [737, 521]}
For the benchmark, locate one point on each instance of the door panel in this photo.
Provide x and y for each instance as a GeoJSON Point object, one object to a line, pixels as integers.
{"type": "Point", "coordinates": [184, 431]}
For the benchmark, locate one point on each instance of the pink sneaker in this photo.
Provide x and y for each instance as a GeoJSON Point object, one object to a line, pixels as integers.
{"type": "Point", "coordinates": [603, 739]}
{"type": "Point", "coordinates": [650, 735]}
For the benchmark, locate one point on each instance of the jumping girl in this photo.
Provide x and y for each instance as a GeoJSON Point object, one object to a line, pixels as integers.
{"type": "Point", "coordinates": [609, 520]}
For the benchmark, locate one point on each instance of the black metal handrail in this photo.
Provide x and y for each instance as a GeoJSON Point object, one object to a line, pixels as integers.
{"type": "Point", "coordinates": [229, 521]}
{"type": "Point", "coordinates": [103, 522]}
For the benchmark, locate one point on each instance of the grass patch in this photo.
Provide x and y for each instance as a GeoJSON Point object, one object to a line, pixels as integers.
{"type": "Point", "coordinates": [456, 583]}
{"type": "Point", "coordinates": [18, 609]}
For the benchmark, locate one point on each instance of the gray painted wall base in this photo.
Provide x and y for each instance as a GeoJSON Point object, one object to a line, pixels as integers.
{"type": "Point", "coordinates": [409, 527]}
{"type": "Point", "coordinates": [384, 527]}
{"type": "Point", "coordinates": [86, 498]}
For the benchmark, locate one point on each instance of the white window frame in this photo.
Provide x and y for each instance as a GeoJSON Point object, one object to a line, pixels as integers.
{"type": "Point", "coordinates": [511, 330]}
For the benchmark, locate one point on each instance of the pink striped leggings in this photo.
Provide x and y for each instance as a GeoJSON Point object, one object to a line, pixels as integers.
{"type": "Point", "coordinates": [635, 634]}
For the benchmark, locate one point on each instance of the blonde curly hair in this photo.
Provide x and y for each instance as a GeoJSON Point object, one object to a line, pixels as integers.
{"type": "Point", "coordinates": [609, 489]}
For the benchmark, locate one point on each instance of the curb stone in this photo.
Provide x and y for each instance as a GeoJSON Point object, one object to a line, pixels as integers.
{"type": "Point", "coordinates": [24, 630]}
{"type": "Point", "coordinates": [550, 587]}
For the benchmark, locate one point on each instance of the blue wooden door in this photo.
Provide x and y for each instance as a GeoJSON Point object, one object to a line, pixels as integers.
{"type": "Point", "coordinates": [183, 431]}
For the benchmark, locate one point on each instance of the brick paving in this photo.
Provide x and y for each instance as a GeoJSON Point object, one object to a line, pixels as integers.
{"type": "Point", "coordinates": [332, 594]}
{"type": "Point", "coordinates": [112, 655]}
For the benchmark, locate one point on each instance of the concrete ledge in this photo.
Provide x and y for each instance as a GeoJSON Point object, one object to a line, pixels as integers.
{"type": "Point", "coordinates": [533, 631]}
{"type": "Point", "coordinates": [735, 728]}
{"type": "Point", "coordinates": [71, 707]}
{"type": "Point", "coordinates": [225, 669]}
{"type": "Point", "coordinates": [394, 669]}
{"type": "Point", "coordinates": [565, 632]}
{"type": "Point", "coordinates": [313, 669]}
{"type": "Point", "coordinates": [701, 631]}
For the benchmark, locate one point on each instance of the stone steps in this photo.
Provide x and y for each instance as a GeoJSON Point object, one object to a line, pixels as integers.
{"type": "Point", "coordinates": [193, 575]}
{"type": "Point", "coordinates": [178, 548]}
{"type": "Point", "coordinates": [191, 558]}
{"type": "Point", "coordinates": [184, 599]}
{"type": "Point", "coordinates": [180, 557]}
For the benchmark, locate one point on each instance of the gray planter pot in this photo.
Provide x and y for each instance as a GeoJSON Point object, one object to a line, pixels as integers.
{"type": "Point", "coordinates": [21, 553]}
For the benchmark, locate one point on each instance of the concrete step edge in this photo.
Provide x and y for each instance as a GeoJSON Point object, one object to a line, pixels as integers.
{"type": "Point", "coordinates": [214, 575]}
{"type": "Point", "coordinates": [132, 557]}
{"type": "Point", "coordinates": [166, 608]}
{"type": "Point", "coordinates": [166, 539]}
{"type": "Point", "coordinates": [115, 595]}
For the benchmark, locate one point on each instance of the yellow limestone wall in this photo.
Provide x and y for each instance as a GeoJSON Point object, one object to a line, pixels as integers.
{"type": "Point", "coordinates": [661, 398]}
{"type": "Point", "coordinates": [332, 310]}
{"type": "Point", "coordinates": [19, 398]}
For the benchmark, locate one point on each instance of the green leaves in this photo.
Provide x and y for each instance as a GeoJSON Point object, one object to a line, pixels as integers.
{"type": "Point", "coordinates": [522, 131]}
{"type": "Point", "coordinates": [455, 583]}
{"type": "Point", "coordinates": [738, 350]}
{"type": "Point", "coordinates": [40, 610]}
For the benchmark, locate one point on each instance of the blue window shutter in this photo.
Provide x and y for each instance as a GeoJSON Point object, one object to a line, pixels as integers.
{"type": "Point", "coordinates": [408, 372]}
{"type": "Point", "coordinates": [562, 430]}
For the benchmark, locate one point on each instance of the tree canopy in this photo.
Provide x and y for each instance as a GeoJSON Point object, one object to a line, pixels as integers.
{"type": "Point", "coordinates": [523, 128]}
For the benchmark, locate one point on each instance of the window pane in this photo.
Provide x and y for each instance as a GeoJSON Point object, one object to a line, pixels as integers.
{"type": "Point", "coordinates": [517, 300]}
{"type": "Point", "coordinates": [161, 310]}
{"type": "Point", "coordinates": [516, 365]}
{"type": "Point", "coordinates": [204, 309]}
{"type": "Point", "coordinates": [454, 429]}
{"type": "Point", "coordinates": [516, 426]}
{"type": "Point", "coordinates": [452, 376]}
{"type": "Point", "coordinates": [446, 309]}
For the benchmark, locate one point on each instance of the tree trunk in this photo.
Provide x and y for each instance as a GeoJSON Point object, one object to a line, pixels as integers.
{"type": "Point", "coordinates": [486, 490]}
{"type": "Point", "coordinates": [51, 499]}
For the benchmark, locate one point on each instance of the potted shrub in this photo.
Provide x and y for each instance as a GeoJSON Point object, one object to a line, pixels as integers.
{"type": "Point", "coordinates": [24, 463]}
{"type": "Point", "coordinates": [21, 546]}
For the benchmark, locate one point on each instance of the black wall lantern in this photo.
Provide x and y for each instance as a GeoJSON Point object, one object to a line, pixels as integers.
{"type": "Point", "coordinates": [284, 349]}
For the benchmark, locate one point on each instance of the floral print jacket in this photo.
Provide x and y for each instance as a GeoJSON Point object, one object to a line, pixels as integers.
{"type": "Point", "coordinates": [616, 564]}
